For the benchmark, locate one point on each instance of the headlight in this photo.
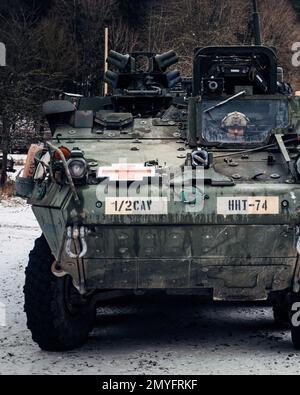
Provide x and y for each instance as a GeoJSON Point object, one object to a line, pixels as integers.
{"type": "Point", "coordinates": [78, 168]}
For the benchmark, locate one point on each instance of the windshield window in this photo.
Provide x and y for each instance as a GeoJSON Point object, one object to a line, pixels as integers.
{"type": "Point", "coordinates": [243, 121]}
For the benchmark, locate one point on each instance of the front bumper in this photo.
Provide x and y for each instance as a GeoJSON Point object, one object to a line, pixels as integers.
{"type": "Point", "coordinates": [234, 263]}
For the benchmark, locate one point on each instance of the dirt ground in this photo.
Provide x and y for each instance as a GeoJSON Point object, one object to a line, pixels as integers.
{"type": "Point", "coordinates": [141, 336]}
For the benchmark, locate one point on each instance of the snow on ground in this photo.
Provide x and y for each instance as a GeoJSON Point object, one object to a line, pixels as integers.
{"type": "Point", "coordinates": [18, 158]}
{"type": "Point", "coordinates": [141, 336]}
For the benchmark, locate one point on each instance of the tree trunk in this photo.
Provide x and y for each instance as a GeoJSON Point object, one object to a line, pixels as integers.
{"type": "Point", "coordinates": [5, 145]}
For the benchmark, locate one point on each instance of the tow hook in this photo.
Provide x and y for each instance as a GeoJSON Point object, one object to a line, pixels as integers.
{"type": "Point", "coordinates": [73, 234]}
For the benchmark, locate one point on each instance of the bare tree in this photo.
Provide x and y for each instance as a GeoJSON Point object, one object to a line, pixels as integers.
{"type": "Point", "coordinates": [187, 24]}
{"type": "Point", "coordinates": [281, 30]}
{"type": "Point", "coordinates": [33, 73]}
{"type": "Point", "coordinates": [123, 38]}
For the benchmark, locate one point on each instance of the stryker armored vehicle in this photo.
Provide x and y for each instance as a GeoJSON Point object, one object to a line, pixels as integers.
{"type": "Point", "coordinates": [151, 188]}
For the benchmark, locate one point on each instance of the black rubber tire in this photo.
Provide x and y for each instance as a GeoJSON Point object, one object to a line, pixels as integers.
{"type": "Point", "coordinates": [281, 315]}
{"type": "Point", "coordinates": [53, 325]}
{"type": "Point", "coordinates": [281, 308]}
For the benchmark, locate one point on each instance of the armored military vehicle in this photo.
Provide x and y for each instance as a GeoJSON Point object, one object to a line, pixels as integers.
{"type": "Point", "coordinates": [151, 188]}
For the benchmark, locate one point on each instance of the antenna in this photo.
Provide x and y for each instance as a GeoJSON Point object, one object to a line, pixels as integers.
{"type": "Point", "coordinates": [106, 44]}
{"type": "Point", "coordinates": [256, 24]}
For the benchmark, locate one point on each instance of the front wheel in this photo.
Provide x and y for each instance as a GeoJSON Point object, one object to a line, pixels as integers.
{"type": "Point", "coordinates": [58, 317]}
{"type": "Point", "coordinates": [281, 311]}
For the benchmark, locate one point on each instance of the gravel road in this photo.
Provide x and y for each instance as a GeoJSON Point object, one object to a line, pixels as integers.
{"type": "Point", "coordinates": [142, 336]}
